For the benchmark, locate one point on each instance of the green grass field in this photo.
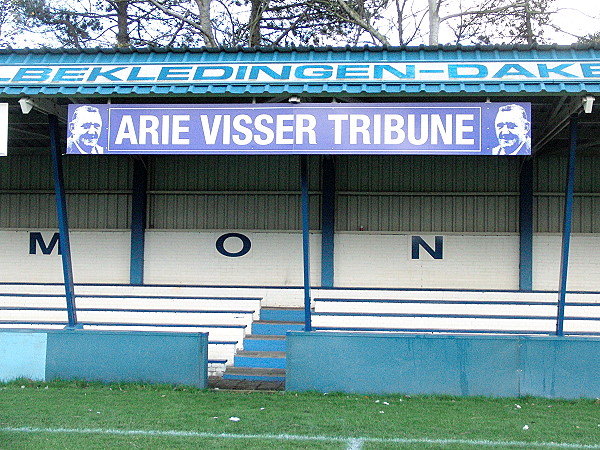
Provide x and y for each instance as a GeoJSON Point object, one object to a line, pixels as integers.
{"type": "Point", "coordinates": [76, 415]}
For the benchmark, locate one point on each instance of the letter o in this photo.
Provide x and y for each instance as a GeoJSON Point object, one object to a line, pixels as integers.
{"type": "Point", "coordinates": [246, 244]}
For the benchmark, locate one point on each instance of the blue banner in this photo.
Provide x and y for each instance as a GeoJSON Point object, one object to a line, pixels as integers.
{"type": "Point", "coordinates": [319, 128]}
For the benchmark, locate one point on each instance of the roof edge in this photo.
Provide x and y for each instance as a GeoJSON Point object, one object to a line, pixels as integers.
{"type": "Point", "coordinates": [304, 49]}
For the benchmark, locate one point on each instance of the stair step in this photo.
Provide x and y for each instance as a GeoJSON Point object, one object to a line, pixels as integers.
{"type": "Point", "coordinates": [266, 337]}
{"type": "Point", "coordinates": [265, 343]}
{"type": "Point", "coordinates": [260, 354]}
{"type": "Point", "coordinates": [286, 314]}
{"type": "Point", "coordinates": [273, 360]}
{"type": "Point", "coordinates": [275, 327]}
{"type": "Point", "coordinates": [254, 373]}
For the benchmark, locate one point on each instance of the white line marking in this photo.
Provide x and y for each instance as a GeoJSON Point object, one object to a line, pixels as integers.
{"type": "Point", "coordinates": [294, 437]}
{"type": "Point", "coordinates": [355, 444]}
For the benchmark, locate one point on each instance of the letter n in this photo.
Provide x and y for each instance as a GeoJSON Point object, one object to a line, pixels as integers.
{"type": "Point", "coordinates": [36, 239]}
{"type": "Point", "coordinates": [437, 253]}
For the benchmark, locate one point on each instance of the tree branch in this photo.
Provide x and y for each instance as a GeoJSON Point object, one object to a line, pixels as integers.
{"type": "Point", "coordinates": [358, 20]}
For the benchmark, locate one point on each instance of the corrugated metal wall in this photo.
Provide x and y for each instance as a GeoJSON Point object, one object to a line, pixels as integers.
{"type": "Point", "coordinates": [229, 192]}
{"type": "Point", "coordinates": [378, 193]}
{"type": "Point", "coordinates": [427, 193]}
{"type": "Point", "coordinates": [98, 192]}
{"type": "Point", "coordinates": [549, 188]}
{"type": "Point", "coordinates": [26, 192]}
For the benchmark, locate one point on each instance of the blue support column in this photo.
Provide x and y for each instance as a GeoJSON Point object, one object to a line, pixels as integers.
{"type": "Point", "coordinates": [327, 221]}
{"type": "Point", "coordinates": [566, 238]}
{"type": "Point", "coordinates": [526, 226]}
{"type": "Point", "coordinates": [305, 240]}
{"type": "Point", "coordinates": [138, 221]}
{"type": "Point", "coordinates": [63, 223]}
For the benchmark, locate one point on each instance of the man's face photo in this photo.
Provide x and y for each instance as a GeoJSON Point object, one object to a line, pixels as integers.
{"type": "Point", "coordinates": [511, 129]}
{"type": "Point", "coordinates": [85, 128]}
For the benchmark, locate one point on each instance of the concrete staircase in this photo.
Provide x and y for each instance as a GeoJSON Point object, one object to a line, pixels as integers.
{"type": "Point", "coordinates": [263, 357]}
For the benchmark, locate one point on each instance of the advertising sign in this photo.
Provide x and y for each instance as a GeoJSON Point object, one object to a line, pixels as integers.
{"type": "Point", "coordinates": [318, 128]}
{"type": "Point", "coordinates": [538, 70]}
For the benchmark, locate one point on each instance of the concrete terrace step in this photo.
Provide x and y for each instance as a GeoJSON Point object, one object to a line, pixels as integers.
{"type": "Point", "coordinates": [262, 359]}
{"type": "Point", "coordinates": [261, 354]}
{"type": "Point", "coordinates": [264, 354]}
{"type": "Point", "coordinates": [283, 314]}
{"type": "Point", "coordinates": [266, 337]}
{"type": "Point", "coordinates": [265, 342]}
{"type": "Point", "coordinates": [254, 373]}
{"type": "Point", "coordinates": [245, 385]}
{"type": "Point", "coordinates": [275, 327]}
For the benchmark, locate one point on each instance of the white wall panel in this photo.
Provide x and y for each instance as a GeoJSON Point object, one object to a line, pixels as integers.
{"type": "Point", "coordinates": [361, 260]}
{"type": "Point", "coordinates": [275, 259]}
{"type": "Point", "coordinates": [584, 262]}
{"type": "Point", "coordinates": [98, 257]}
{"type": "Point", "coordinates": [469, 262]}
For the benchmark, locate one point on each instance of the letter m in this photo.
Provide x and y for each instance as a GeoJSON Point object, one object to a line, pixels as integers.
{"type": "Point", "coordinates": [418, 242]}
{"type": "Point", "coordinates": [36, 239]}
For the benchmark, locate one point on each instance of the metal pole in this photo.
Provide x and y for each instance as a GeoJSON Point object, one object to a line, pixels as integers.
{"type": "Point", "coordinates": [327, 221]}
{"type": "Point", "coordinates": [566, 238]}
{"type": "Point", "coordinates": [305, 240]}
{"type": "Point", "coordinates": [526, 226]}
{"type": "Point", "coordinates": [63, 224]}
{"type": "Point", "coordinates": [138, 221]}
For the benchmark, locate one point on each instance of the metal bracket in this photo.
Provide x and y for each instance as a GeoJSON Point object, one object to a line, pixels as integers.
{"type": "Point", "coordinates": [44, 105]}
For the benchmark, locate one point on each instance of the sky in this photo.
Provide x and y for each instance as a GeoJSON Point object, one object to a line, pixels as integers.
{"type": "Point", "coordinates": [579, 17]}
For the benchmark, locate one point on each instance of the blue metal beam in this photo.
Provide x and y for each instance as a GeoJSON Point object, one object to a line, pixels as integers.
{"type": "Point", "coordinates": [138, 221]}
{"type": "Point", "coordinates": [63, 223]}
{"type": "Point", "coordinates": [526, 226]}
{"type": "Point", "coordinates": [305, 240]}
{"type": "Point", "coordinates": [327, 221]}
{"type": "Point", "coordinates": [566, 238]}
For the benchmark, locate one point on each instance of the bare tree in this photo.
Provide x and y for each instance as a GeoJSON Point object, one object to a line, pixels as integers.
{"type": "Point", "coordinates": [491, 20]}
{"type": "Point", "coordinates": [283, 22]}
{"type": "Point", "coordinates": [8, 27]}
{"type": "Point", "coordinates": [102, 22]}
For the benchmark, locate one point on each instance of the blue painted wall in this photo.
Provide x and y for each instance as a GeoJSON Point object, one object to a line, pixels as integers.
{"type": "Point", "coordinates": [22, 355]}
{"type": "Point", "coordinates": [499, 366]}
{"type": "Point", "coordinates": [107, 356]}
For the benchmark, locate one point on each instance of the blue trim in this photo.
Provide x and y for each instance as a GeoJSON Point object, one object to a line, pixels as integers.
{"type": "Point", "coordinates": [247, 286]}
{"type": "Point", "coordinates": [140, 296]}
{"type": "Point", "coordinates": [157, 325]}
{"type": "Point", "coordinates": [446, 316]}
{"type": "Point", "coordinates": [327, 222]}
{"type": "Point", "coordinates": [526, 226]}
{"type": "Point", "coordinates": [432, 330]}
{"type": "Point", "coordinates": [138, 221]}
{"type": "Point", "coordinates": [305, 239]}
{"type": "Point", "coordinates": [63, 223]}
{"type": "Point", "coordinates": [217, 361]}
{"type": "Point", "coordinates": [447, 302]}
{"type": "Point", "coordinates": [568, 219]}
{"type": "Point", "coordinates": [163, 310]}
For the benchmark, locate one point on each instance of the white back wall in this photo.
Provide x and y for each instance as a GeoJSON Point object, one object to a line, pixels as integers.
{"type": "Point", "coordinates": [362, 259]}
{"type": "Point", "coordinates": [184, 257]}
{"type": "Point", "coordinates": [584, 262]}
{"type": "Point", "coordinates": [469, 262]}
{"type": "Point", "coordinates": [98, 257]}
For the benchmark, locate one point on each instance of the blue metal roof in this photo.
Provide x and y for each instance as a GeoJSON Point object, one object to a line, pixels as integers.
{"type": "Point", "coordinates": [327, 71]}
